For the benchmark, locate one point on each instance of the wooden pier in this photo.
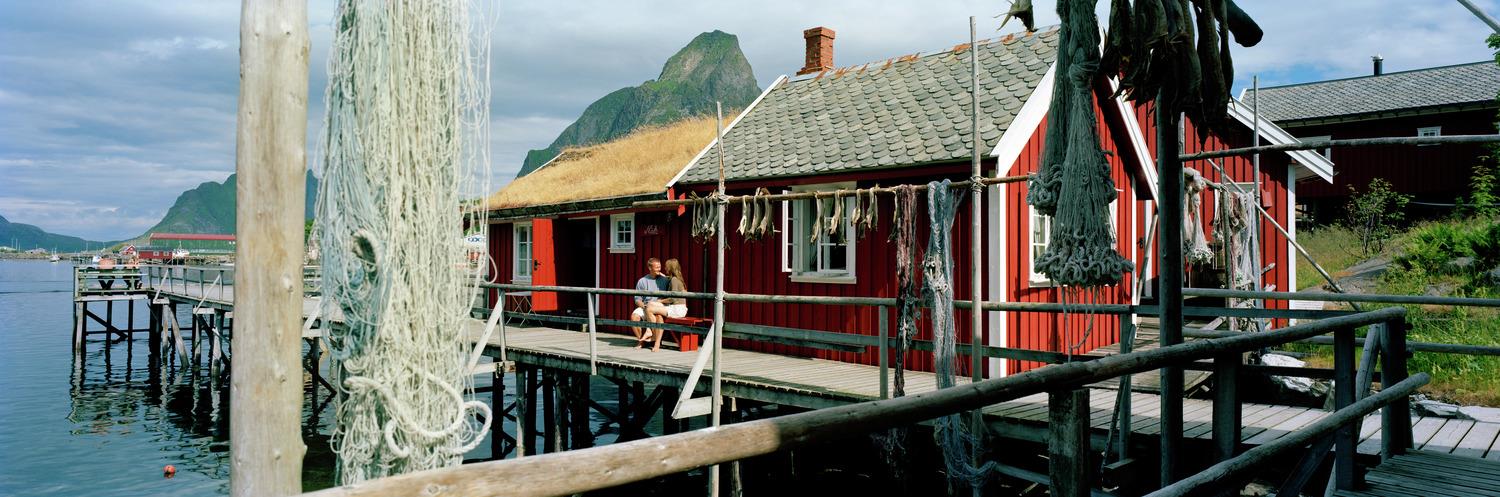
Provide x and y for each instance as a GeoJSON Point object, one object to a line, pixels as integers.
{"type": "Point", "coordinates": [546, 360]}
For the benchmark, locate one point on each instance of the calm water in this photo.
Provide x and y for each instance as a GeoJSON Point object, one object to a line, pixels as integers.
{"type": "Point", "coordinates": [102, 423]}
{"type": "Point", "coordinates": [105, 422]}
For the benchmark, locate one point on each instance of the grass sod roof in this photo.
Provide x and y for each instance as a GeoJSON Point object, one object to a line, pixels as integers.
{"type": "Point", "coordinates": [640, 163]}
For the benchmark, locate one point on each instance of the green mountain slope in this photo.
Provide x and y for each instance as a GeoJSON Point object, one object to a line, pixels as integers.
{"type": "Point", "coordinates": [26, 237]}
{"type": "Point", "coordinates": [711, 68]}
{"type": "Point", "coordinates": [209, 208]}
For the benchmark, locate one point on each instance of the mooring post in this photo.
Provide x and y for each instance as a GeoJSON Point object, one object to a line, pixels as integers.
{"type": "Point", "coordinates": [1347, 436]}
{"type": "Point", "coordinates": [1068, 452]}
{"type": "Point", "coordinates": [79, 308]}
{"type": "Point", "coordinates": [582, 435]}
{"type": "Point", "coordinates": [1169, 281]}
{"type": "Point", "coordinates": [497, 410]}
{"type": "Point", "coordinates": [271, 164]}
{"type": "Point", "coordinates": [1395, 436]}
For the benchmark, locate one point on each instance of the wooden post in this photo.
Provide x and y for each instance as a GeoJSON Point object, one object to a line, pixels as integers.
{"type": "Point", "coordinates": [525, 410]}
{"type": "Point", "coordinates": [550, 436]}
{"type": "Point", "coordinates": [1169, 283]}
{"type": "Point", "coordinates": [1226, 415]}
{"type": "Point", "coordinates": [271, 164]}
{"type": "Point", "coordinates": [1068, 447]}
{"type": "Point", "coordinates": [1395, 424]}
{"type": "Point", "coordinates": [79, 323]}
{"type": "Point", "coordinates": [497, 410]}
{"type": "Point", "coordinates": [885, 351]}
{"type": "Point", "coordinates": [1345, 438]}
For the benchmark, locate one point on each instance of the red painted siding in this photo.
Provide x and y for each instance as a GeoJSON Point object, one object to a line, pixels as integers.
{"type": "Point", "coordinates": [1437, 173]}
{"type": "Point", "coordinates": [755, 267]}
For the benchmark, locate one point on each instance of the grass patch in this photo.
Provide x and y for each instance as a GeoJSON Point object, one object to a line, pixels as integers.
{"type": "Point", "coordinates": [1335, 247]}
{"type": "Point", "coordinates": [1437, 258]}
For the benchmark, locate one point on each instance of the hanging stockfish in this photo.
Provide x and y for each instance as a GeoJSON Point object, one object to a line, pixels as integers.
{"type": "Point", "coordinates": [705, 217]}
{"type": "Point", "coordinates": [817, 226]}
{"type": "Point", "coordinates": [767, 211]}
{"type": "Point", "coordinates": [746, 223]}
{"type": "Point", "coordinates": [1081, 251]}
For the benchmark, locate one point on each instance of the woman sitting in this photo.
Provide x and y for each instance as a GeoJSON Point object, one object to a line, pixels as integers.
{"type": "Point", "coordinates": [673, 307]}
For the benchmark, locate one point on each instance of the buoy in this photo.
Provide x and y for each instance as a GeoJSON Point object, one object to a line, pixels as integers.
{"type": "Point", "coordinates": [168, 471]}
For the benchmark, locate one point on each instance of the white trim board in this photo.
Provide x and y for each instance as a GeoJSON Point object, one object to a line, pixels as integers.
{"type": "Point", "coordinates": [1309, 162]}
{"type": "Point", "coordinates": [1008, 148]}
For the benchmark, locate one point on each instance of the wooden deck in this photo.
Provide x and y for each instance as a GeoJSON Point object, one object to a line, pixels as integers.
{"type": "Point", "coordinates": [1431, 474]}
{"type": "Point", "coordinates": [816, 383]}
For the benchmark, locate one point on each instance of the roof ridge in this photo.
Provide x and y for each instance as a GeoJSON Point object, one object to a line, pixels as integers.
{"type": "Point", "coordinates": [887, 62]}
{"type": "Point", "coordinates": [1370, 76]}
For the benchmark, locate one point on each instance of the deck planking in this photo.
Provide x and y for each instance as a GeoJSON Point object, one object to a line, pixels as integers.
{"type": "Point", "coordinates": [817, 383]}
{"type": "Point", "coordinates": [1430, 474]}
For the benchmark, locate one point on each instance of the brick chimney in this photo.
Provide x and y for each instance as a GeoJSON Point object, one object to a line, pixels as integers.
{"type": "Point", "coordinates": [819, 50]}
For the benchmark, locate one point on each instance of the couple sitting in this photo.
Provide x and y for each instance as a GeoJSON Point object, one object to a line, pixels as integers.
{"type": "Point", "coordinates": [654, 309]}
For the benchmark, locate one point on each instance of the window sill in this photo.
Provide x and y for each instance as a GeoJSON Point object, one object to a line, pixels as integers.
{"type": "Point", "coordinates": [622, 250]}
{"type": "Point", "coordinates": [1035, 282]}
{"type": "Point", "coordinates": [818, 278]}
{"type": "Point", "coordinates": [520, 280]}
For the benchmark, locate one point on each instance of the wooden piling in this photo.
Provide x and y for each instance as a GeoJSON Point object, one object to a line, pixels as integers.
{"type": "Point", "coordinates": [271, 164]}
{"type": "Point", "coordinates": [1068, 450]}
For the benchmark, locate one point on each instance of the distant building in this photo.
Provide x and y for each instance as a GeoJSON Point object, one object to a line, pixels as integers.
{"type": "Point", "coordinates": [38, 250]}
{"type": "Point", "coordinates": [1448, 100]}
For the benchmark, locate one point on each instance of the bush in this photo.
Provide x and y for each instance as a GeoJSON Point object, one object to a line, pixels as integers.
{"type": "Point", "coordinates": [1375, 214]}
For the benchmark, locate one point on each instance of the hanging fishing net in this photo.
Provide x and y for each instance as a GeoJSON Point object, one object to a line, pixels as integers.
{"type": "Point", "coordinates": [1074, 186]}
{"type": "Point", "coordinates": [405, 132]}
{"type": "Point", "coordinates": [952, 433]}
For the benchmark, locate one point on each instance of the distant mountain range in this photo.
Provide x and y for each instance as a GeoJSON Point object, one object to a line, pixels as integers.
{"type": "Point", "coordinates": [26, 237]}
{"type": "Point", "coordinates": [207, 209]}
{"type": "Point", "coordinates": [711, 68]}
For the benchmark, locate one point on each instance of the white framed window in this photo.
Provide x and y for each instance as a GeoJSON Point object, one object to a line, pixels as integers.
{"type": "Point", "coordinates": [1041, 236]}
{"type": "Point", "coordinates": [521, 248]}
{"type": "Point", "coordinates": [1327, 152]}
{"type": "Point", "coordinates": [622, 233]}
{"type": "Point", "coordinates": [1429, 131]}
{"type": "Point", "coordinates": [824, 255]}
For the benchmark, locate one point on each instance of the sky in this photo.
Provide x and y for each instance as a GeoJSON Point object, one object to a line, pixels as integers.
{"type": "Point", "coordinates": [111, 108]}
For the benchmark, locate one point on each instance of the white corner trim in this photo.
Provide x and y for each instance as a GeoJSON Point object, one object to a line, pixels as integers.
{"type": "Point", "coordinates": [996, 238]}
{"type": "Point", "coordinates": [1008, 148]}
{"type": "Point", "coordinates": [779, 80]}
{"type": "Point", "coordinates": [1291, 229]}
{"type": "Point", "coordinates": [1309, 160]}
{"type": "Point", "coordinates": [1137, 137]}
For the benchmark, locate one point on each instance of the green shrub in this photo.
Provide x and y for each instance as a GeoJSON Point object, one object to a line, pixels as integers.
{"type": "Point", "coordinates": [1375, 214]}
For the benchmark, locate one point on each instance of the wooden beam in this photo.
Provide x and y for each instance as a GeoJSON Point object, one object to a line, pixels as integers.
{"type": "Point", "coordinates": [271, 164]}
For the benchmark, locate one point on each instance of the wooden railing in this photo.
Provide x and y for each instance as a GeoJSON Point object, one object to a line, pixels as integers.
{"type": "Point", "coordinates": [607, 466]}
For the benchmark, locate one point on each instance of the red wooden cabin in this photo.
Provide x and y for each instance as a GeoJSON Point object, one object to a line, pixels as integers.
{"type": "Point", "coordinates": [1448, 100]}
{"type": "Point", "coordinates": [900, 121]}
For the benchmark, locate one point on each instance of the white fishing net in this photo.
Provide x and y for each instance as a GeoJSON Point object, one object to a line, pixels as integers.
{"type": "Point", "coordinates": [406, 132]}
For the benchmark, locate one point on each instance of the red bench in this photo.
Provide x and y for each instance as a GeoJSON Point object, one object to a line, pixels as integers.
{"type": "Point", "coordinates": [686, 342]}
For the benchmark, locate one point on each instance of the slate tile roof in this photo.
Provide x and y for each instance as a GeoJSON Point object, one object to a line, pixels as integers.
{"type": "Point", "coordinates": [1449, 85]}
{"type": "Point", "coordinates": [901, 112]}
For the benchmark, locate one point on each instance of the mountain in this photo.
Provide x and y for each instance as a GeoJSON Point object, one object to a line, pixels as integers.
{"type": "Point", "coordinates": [711, 68]}
{"type": "Point", "coordinates": [27, 237]}
{"type": "Point", "coordinates": [209, 208]}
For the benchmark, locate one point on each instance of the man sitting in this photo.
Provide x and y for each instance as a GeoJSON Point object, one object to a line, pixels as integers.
{"type": "Point", "coordinates": [651, 282]}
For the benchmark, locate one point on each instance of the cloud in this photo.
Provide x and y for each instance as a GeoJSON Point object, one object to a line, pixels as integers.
{"type": "Point", "coordinates": [118, 106]}
{"type": "Point", "coordinates": [166, 48]}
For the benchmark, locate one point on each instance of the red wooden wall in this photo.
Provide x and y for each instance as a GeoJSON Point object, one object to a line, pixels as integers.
{"type": "Point", "coordinates": [1437, 173]}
